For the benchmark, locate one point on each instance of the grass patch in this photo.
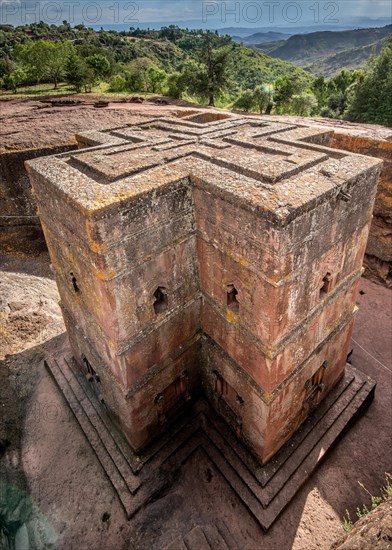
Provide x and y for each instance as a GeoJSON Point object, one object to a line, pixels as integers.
{"type": "Point", "coordinates": [386, 492]}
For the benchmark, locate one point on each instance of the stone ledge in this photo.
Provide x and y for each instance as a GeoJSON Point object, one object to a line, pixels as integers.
{"type": "Point", "coordinates": [264, 490]}
{"type": "Point", "coordinates": [251, 167]}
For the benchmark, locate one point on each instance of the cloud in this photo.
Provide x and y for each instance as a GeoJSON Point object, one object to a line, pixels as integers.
{"type": "Point", "coordinates": [212, 13]}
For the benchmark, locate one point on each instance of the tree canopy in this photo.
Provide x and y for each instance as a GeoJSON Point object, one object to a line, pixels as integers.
{"type": "Point", "coordinates": [372, 100]}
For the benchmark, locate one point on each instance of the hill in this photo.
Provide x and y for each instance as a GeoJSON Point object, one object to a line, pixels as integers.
{"type": "Point", "coordinates": [261, 38]}
{"type": "Point", "coordinates": [168, 48]}
{"type": "Point", "coordinates": [251, 67]}
{"type": "Point", "coordinates": [305, 50]}
{"type": "Point", "coordinates": [347, 25]}
{"type": "Point", "coordinates": [354, 58]}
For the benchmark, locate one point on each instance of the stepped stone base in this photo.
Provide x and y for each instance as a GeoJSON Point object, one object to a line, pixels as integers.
{"type": "Point", "coordinates": [264, 490]}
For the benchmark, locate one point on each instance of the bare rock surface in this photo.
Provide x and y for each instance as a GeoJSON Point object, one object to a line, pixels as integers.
{"type": "Point", "coordinates": [372, 531]}
{"type": "Point", "coordinates": [25, 124]}
{"type": "Point", "coordinates": [29, 310]}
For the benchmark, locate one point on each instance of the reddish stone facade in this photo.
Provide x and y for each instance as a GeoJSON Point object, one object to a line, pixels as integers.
{"type": "Point", "coordinates": [378, 258]}
{"type": "Point", "coordinates": [208, 255]}
{"type": "Point", "coordinates": [374, 141]}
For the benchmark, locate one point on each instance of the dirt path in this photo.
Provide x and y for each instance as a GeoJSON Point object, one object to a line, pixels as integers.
{"type": "Point", "coordinates": [56, 493]}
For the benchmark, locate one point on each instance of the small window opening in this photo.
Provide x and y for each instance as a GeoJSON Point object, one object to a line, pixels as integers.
{"type": "Point", "coordinates": [232, 302]}
{"type": "Point", "coordinates": [74, 283]}
{"type": "Point", "coordinates": [326, 285]}
{"type": "Point", "coordinates": [91, 374]}
{"type": "Point", "coordinates": [161, 300]}
{"type": "Point", "coordinates": [221, 386]}
{"type": "Point", "coordinates": [314, 386]}
{"type": "Point", "coordinates": [239, 400]}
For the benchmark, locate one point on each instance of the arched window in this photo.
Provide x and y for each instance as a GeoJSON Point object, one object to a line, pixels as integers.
{"type": "Point", "coordinates": [161, 300]}
{"type": "Point", "coordinates": [74, 283]}
{"type": "Point", "coordinates": [326, 285]}
{"type": "Point", "coordinates": [232, 301]}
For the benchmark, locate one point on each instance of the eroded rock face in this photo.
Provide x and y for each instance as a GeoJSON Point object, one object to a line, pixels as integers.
{"type": "Point", "coordinates": [374, 141]}
{"type": "Point", "coordinates": [378, 259]}
{"type": "Point", "coordinates": [208, 255]}
{"type": "Point", "coordinates": [33, 129]}
{"type": "Point", "coordinates": [19, 224]}
{"type": "Point", "coordinates": [372, 531]}
{"type": "Point", "coordinates": [38, 130]}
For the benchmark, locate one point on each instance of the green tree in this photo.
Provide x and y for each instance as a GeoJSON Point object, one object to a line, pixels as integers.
{"type": "Point", "coordinates": [11, 81]}
{"type": "Point", "coordinates": [137, 77]}
{"type": "Point", "coordinates": [343, 80]}
{"type": "Point", "coordinates": [32, 56]}
{"type": "Point", "coordinates": [44, 60]}
{"type": "Point", "coordinates": [100, 65]}
{"type": "Point", "coordinates": [285, 88]}
{"type": "Point", "coordinates": [245, 101]}
{"type": "Point", "coordinates": [117, 84]}
{"type": "Point", "coordinates": [337, 103]}
{"type": "Point", "coordinates": [263, 97]}
{"type": "Point", "coordinates": [303, 104]}
{"type": "Point", "coordinates": [319, 88]}
{"type": "Point", "coordinates": [175, 85]}
{"type": "Point", "coordinates": [208, 75]}
{"type": "Point", "coordinates": [156, 79]}
{"type": "Point", "coordinates": [194, 79]}
{"type": "Point", "coordinates": [172, 32]}
{"type": "Point", "coordinates": [372, 98]}
{"type": "Point", "coordinates": [76, 71]}
{"type": "Point", "coordinates": [6, 65]}
{"type": "Point", "coordinates": [217, 69]}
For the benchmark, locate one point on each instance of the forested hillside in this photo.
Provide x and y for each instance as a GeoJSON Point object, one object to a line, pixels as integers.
{"type": "Point", "coordinates": [327, 52]}
{"type": "Point", "coordinates": [169, 49]}
{"type": "Point", "coordinates": [199, 66]}
{"type": "Point", "coordinates": [352, 59]}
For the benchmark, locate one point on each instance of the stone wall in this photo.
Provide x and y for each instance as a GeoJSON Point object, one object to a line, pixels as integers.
{"type": "Point", "coordinates": [375, 141]}
{"type": "Point", "coordinates": [378, 259]}
{"type": "Point", "coordinates": [220, 255]}
{"type": "Point", "coordinates": [20, 227]}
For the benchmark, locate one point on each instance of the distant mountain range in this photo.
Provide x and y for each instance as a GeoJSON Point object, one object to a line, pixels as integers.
{"type": "Point", "coordinates": [354, 58]}
{"type": "Point", "coordinates": [356, 23]}
{"type": "Point", "coordinates": [261, 37]}
{"type": "Point", "coordinates": [242, 32]}
{"type": "Point", "coordinates": [326, 52]}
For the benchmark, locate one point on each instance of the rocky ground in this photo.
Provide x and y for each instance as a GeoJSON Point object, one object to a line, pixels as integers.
{"type": "Point", "coordinates": [372, 531]}
{"type": "Point", "coordinates": [54, 494]}
{"type": "Point", "coordinates": [36, 123]}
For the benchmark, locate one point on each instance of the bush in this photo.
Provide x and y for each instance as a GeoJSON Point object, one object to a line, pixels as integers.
{"type": "Point", "coordinates": [372, 99]}
{"type": "Point", "coordinates": [117, 84]}
{"type": "Point", "coordinates": [328, 113]}
{"type": "Point", "coordinates": [337, 102]}
{"type": "Point", "coordinates": [303, 104]}
{"type": "Point", "coordinates": [245, 101]}
{"type": "Point", "coordinates": [175, 85]}
{"type": "Point", "coordinates": [12, 80]}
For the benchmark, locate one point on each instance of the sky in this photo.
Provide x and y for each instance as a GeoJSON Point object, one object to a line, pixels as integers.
{"type": "Point", "coordinates": [212, 14]}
